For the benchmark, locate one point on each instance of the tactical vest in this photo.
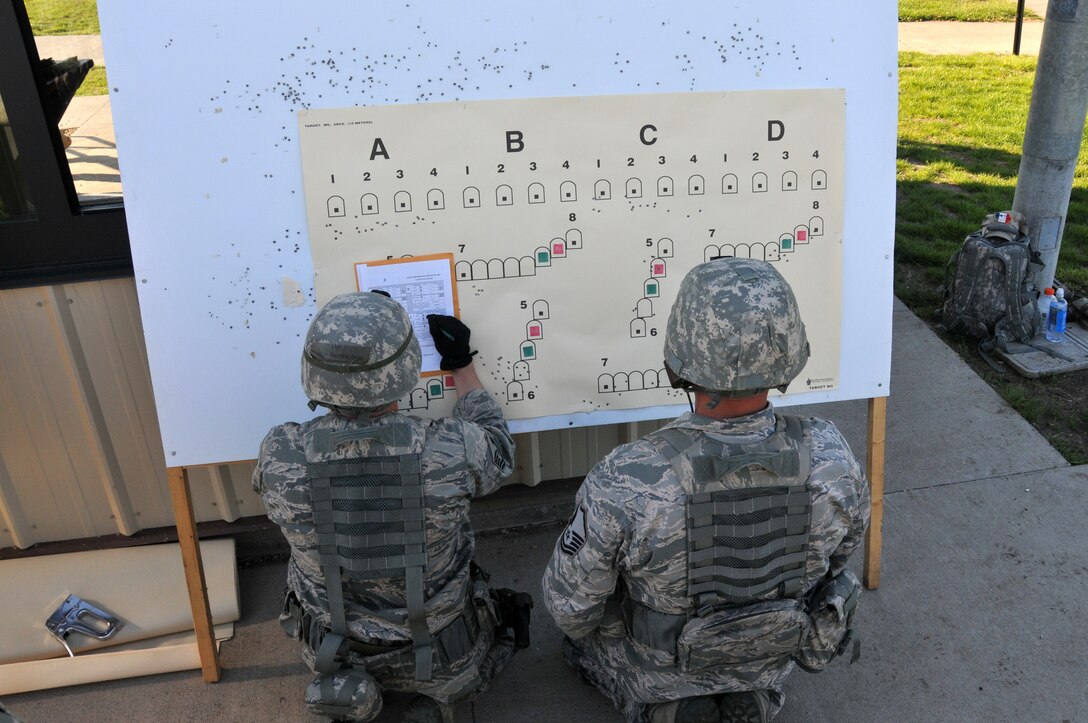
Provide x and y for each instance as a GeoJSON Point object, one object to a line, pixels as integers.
{"type": "Point", "coordinates": [747, 521]}
{"type": "Point", "coordinates": [748, 513]}
{"type": "Point", "coordinates": [369, 515]}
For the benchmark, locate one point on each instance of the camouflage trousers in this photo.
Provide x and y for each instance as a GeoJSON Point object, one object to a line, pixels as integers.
{"type": "Point", "coordinates": [455, 677]}
{"type": "Point", "coordinates": [635, 680]}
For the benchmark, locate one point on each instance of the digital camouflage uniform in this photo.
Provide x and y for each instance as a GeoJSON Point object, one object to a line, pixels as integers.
{"type": "Point", "coordinates": [379, 502]}
{"type": "Point", "coordinates": [463, 456]}
{"type": "Point", "coordinates": [633, 508]}
{"type": "Point", "coordinates": [619, 582]}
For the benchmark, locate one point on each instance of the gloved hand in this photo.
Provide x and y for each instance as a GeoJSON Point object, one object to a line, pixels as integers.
{"type": "Point", "coordinates": [451, 340]}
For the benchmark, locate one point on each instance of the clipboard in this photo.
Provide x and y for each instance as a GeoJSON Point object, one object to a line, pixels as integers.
{"type": "Point", "coordinates": [422, 285]}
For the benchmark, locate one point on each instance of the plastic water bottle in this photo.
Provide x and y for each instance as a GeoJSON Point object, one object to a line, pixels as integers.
{"type": "Point", "coordinates": [1044, 306]}
{"type": "Point", "coordinates": [1055, 321]}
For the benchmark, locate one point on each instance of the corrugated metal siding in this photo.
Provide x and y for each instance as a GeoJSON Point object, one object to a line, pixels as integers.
{"type": "Point", "coordinates": [80, 454]}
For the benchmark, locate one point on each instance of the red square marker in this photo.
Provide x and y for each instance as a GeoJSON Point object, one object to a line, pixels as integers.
{"type": "Point", "coordinates": [447, 380]}
{"type": "Point", "coordinates": [659, 268]}
{"type": "Point", "coordinates": [802, 235]}
{"type": "Point", "coordinates": [558, 249]}
{"type": "Point", "coordinates": [534, 331]}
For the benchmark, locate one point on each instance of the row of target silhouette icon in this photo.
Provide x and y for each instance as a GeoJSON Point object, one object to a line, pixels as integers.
{"type": "Point", "coordinates": [602, 189]}
{"type": "Point", "coordinates": [511, 267]}
{"type": "Point", "coordinates": [433, 388]}
{"type": "Point", "coordinates": [787, 242]}
{"type": "Point", "coordinates": [632, 381]}
{"type": "Point", "coordinates": [471, 196]}
{"type": "Point", "coordinates": [651, 288]}
{"type": "Point", "coordinates": [534, 332]}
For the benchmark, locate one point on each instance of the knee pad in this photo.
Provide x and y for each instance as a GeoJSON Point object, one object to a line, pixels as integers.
{"type": "Point", "coordinates": [344, 695]}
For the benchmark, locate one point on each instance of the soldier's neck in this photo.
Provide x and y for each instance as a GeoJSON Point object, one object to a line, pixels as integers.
{"type": "Point", "coordinates": [728, 407]}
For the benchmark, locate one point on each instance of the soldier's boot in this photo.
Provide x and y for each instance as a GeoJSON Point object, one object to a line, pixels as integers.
{"type": "Point", "coordinates": [702, 709]}
{"type": "Point", "coordinates": [497, 658]}
{"type": "Point", "coordinates": [344, 695]}
{"type": "Point", "coordinates": [422, 709]}
{"type": "Point", "coordinates": [751, 706]}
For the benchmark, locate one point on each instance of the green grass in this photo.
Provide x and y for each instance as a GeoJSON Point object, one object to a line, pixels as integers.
{"type": "Point", "coordinates": [963, 10]}
{"type": "Point", "coordinates": [63, 17]}
{"type": "Point", "coordinates": [961, 132]}
{"type": "Point", "coordinates": [95, 83]}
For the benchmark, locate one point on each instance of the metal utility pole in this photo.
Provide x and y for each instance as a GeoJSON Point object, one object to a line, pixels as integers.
{"type": "Point", "coordinates": [1059, 103]}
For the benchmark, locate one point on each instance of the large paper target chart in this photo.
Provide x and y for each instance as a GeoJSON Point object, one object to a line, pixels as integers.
{"type": "Point", "coordinates": [573, 220]}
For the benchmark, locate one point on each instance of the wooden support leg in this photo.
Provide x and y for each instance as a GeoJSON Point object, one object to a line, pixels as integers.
{"type": "Point", "coordinates": [874, 470]}
{"type": "Point", "coordinates": [194, 572]}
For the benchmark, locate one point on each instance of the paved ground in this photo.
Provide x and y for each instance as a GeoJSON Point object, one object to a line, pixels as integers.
{"type": "Point", "coordinates": [979, 615]}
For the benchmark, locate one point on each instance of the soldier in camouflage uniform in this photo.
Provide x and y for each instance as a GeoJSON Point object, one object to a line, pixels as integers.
{"type": "Point", "coordinates": [708, 558]}
{"type": "Point", "coordinates": [382, 589]}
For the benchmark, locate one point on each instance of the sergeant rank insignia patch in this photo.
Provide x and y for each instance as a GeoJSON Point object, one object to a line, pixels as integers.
{"type": "Point", "coordinates": [574, 537]}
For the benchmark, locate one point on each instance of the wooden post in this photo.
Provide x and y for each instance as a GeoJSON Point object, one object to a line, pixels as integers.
{"type": "Point", "coordinates": [194, 572]}
{"type": "Point", "coordinates": [874, 470]}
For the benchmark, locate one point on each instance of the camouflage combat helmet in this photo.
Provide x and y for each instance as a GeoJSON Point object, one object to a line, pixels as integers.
{"type": "Point", "coordinates": [734, 329]}
{"type": "Point", "coordinates": [360, 352]}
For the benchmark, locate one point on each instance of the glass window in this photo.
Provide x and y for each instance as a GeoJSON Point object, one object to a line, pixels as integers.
{"type": "Point", "coordinates": [68, 41]}
{"type": "Point", "coordinates": [15, 202]}
{"type": "Point", "coordinates": [61, 213]}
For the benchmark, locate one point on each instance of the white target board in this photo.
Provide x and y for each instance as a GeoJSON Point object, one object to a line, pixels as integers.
{"type": "Point", "coordinates": [573, 220]}
{"type": "Point", "coordinates": [575, 158]}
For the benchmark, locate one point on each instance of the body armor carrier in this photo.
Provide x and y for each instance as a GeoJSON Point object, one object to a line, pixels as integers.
{"type": "Point", "coordinates": [748, 513]}
{"type": "Point", "coordinates": [748, 519]}
{"type": "Point", "coordinates": [369, 514]}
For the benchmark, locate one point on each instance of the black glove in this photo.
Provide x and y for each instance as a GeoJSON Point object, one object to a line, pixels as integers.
{"type": "Point", "coordinates": [451, 340]}
{"type": "Point", "coordinates": [514, 610]}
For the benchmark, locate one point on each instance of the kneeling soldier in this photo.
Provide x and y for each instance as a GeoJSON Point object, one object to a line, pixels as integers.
{"type": "Point", "coordinates": [709, 557]}
{"type": "Point", "coordinates": [382, 589]}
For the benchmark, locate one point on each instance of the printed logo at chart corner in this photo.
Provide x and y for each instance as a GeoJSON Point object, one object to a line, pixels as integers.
{"type": "Point", "coordinates": [574, 537]}
{"type": "Point", "coordinates": [820, 383]}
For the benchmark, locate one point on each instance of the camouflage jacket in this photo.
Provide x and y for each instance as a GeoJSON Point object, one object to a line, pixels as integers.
{"type": "Point", "coordinates": [629, 533]}
{"type": "Point", "coordinates": [463, 456]}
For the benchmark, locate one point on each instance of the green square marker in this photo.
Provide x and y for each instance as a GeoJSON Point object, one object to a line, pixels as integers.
{"type": "Point", "coordinates": [528, 352]}
{"type": "Point", "coordinates": [542, 257]}
{"type": "Point", "coordinates": [787, 244]}
{"type": "Point", "coordinates": [651, 289]}
{"type": "Point", "coordinates": [436, 389]}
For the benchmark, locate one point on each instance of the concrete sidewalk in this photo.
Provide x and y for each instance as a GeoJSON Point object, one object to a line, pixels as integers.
{"type": "Point", "coordinates": [979, 615]}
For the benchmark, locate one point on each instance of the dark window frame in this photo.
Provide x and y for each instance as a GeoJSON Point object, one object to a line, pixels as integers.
{"type": "Point", "coordinates": [64, 241]}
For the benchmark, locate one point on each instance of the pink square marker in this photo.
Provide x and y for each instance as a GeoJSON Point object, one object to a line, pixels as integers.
{"type": "Point", "coordinates": [448, 381]}
{"type": "Point", "coordinates": [534, 331]}
{"type": "Point", "coordinates": [659, 268]}
{"type": "Point", "coordinates": [558, 249]}
{"type": "Point", "coordinates": [802, 235]}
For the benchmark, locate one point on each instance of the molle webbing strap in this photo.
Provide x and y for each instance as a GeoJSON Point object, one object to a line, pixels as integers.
{"type": "Point", "coordinates": [746, 541]}
{"type": "Point", "coordinates": [752, 541]}
{"type": "Point", "coordinates": [369, 515]}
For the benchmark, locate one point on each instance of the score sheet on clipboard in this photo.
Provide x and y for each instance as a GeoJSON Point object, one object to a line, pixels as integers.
{"type": "Point", "coordinates": [422, 285]}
